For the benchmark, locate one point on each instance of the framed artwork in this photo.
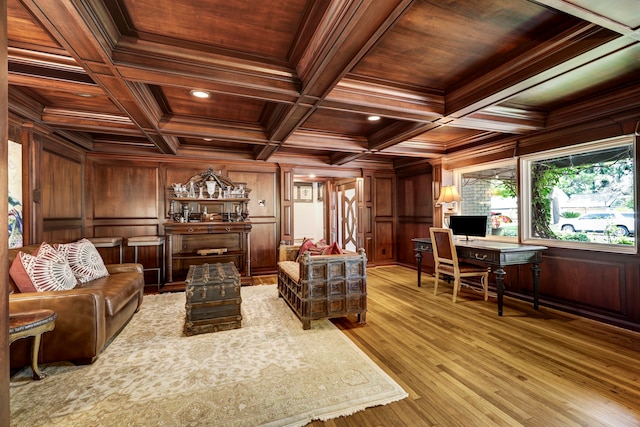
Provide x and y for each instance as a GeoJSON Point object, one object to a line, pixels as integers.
{"type": "Point", "coordinates": [303, 193]}
{"type": "Point", "coordinates": [15, 195]}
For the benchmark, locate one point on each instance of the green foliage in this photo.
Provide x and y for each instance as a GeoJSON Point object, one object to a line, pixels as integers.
{"type": "Point", "coordinates": [570, 214]}
{"type": "Point", "coordinates": [624, 240]}
{"type": "Point", "coordinates": [506, 188]}
{"type": "Point", "coordinates": [590, 176]}
{"type": "Point", "coordinates": [575, 237]}
{"type": "Point", "coordinates": [607, 173]}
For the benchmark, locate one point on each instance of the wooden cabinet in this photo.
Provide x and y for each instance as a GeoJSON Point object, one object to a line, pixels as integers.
{"type": "Point", "coordinates": [207, 229]}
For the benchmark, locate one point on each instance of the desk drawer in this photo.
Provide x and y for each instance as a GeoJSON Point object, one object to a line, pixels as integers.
{"type": "Point", "coordinates": [490, 257]}
{"type": "Point", "coordinates": [423, 247]}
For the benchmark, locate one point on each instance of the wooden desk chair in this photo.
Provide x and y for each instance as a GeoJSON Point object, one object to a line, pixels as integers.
{"type": "Point", "coordinates": [446, 262]}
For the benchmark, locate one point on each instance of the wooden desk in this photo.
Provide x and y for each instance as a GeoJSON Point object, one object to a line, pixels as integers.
{"type": "Point", "coordinates": [494, 254]}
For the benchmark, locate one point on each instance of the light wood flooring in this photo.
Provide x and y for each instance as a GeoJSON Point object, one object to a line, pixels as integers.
{"type": "Point", "coordinates": [462, 365]}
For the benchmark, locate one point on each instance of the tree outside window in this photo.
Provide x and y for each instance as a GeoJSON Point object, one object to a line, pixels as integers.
{"type": "Point", "coordinates": [583, 195]}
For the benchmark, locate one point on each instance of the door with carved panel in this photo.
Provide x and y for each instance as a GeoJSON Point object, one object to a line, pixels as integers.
{"type": "Point", "coordinates": [347, 216]}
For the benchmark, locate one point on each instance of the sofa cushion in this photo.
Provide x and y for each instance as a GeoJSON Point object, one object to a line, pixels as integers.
{"type": "Point", "coordinates": [121, 289]}
{"type": "Point", "coordinates": [45, 270]}
{"type": "Point", "coordinates": [291, 268]}
{"type": "Point", "coordinates": [84, 259]}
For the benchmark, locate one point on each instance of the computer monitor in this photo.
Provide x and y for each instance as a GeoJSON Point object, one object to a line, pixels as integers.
{"type": "Point", "coordinates": [468, 225]}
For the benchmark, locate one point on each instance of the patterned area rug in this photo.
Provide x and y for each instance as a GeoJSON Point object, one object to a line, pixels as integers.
{"type": "Point", "coordinates": [269, 372]}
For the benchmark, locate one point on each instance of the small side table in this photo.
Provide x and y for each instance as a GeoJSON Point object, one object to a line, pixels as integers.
{"type": "Point", "coordinates": [157, 241]}
{"type": "Point", "coordinates": [32, 324]}
{"type": "Point", "coordinates": [108, 242]}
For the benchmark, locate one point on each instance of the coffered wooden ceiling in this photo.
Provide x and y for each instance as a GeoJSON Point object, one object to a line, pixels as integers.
{"type": "Point", "coordinates": [294, 80]}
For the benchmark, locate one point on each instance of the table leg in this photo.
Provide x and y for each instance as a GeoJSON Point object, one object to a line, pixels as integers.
{"type": "Point", "coordinates": [168, 259]}
{"type": "Point", "coordinates": [500, 273]}
{"type": "Point", "coordinates": [35, 349]}
{"type": "Point", "coordinates": [536, 284]}
{"type": "Point", "coordinates": [419, 258]}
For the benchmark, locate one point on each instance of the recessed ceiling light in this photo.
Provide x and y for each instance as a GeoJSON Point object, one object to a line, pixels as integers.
{"type": "Point", "coordinates": [207, 139]}
{"type": "Point", "coordinates": [373, 118]}
{"type": "Point", "coordinates": [200, 93]}
{"type": "Point", "coordinates": [85, 95]}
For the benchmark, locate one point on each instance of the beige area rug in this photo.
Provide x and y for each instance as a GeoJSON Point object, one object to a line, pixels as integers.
{"type": "Point", "coordinates": [269, 372]}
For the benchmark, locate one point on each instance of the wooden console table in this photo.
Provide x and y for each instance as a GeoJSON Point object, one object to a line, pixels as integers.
{"type": "Point", "coordinates": [185, 240]}
{"type": "Point", "coordinates": [494, 254]}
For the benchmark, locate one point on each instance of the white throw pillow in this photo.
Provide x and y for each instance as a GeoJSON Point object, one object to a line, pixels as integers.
{"type": "Point", "coordinates": [84, 259]}
{"type": "Point", "coordinates": [48, 270]}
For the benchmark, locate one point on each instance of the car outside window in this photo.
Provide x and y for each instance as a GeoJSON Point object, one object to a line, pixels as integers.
{"type": "Point", "coordinates": [582, 196]}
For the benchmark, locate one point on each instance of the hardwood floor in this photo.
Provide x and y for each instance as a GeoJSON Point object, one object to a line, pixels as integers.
{"type": "Point", "coordinates": [462, 365]}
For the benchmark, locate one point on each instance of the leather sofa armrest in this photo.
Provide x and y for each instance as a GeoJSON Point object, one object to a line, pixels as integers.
{"type": "Point", "coordinates": [80, 328]}
{"type": "Point", "coordinates": [124, 268]}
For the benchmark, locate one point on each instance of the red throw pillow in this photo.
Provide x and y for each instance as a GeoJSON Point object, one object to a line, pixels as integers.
{"type": "Point", "coordinates": [333, 249]}
{"type": "Point", "coordinates": [20, 276]}
{"type": "Point", "coordinates": [306, 244]}
{"type": "Point", "coordinates": [47, 270]}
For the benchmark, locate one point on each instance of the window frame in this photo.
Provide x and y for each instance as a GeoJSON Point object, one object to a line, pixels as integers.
{"type": "Point", "coordinates": [457, 179]}
{"type": "Point", "coordinates": [525, 194]}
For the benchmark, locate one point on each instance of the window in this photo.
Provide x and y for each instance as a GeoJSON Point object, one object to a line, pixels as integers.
{"type": "Point", "coordinates": [491, 190]}
{"type": "Point", "coordinates": [582, 196]}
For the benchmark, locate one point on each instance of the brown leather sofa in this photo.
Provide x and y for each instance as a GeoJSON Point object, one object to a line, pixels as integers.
{"type": "Point", "coordinates": [89, 315]}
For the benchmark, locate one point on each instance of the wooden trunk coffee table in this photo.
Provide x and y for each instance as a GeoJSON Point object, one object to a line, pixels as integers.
{"type": "Point", "coordinates": [212, 298]}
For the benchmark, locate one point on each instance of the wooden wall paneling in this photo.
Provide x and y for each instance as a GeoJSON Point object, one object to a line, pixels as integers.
{"type": "Point", "coordinates": [407, 230]}
{"type": "Point", "coordinates": [286, 204]}
{"type": "Point", "coordinates": [632, 281]}
{"type": "Point", "coordinates": [331, 206]}
{"type": "Point", "coordinates": [590, 282]}
{"type": "Point", "coordinates": [415, 212]}
{"type": "Point", "coordinates": [262, 210]}
{"type": "Point", "coordinates": [436, 184]}
{"type": "Point", "coordinates": [264, 242]}
{"type": "Point", "coordinates": [368, 215]}
{"type": "Point", "coordinates": [384, 253]}
{"type": "Point", "coordinates": [59, 191]}
{"type": "Point", "coordinates": [4, 239]}
{"type": "Point", "coordinates": [360, 215]}
{"type": "Point", "coordinates": [127, 191]}
{"type": "Point", "coordinates": [34, 199]}
{"type": "Point", "coordinates": [263, 187]}
{"type": "Point", "coordinates": [384, 218]}
{"type": "Point", "coordinates": [60, 186]}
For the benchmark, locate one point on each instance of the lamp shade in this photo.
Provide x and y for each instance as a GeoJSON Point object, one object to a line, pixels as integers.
{"type": "Point", "coordinates": [448, 194]}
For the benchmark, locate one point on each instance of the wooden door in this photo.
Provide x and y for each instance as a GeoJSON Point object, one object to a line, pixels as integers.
{"type": "Point", "coordinates": [347, 216]}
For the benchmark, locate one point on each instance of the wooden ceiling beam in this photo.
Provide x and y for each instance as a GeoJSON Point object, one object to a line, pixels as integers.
{"type": "Point", "coordinates": [355, 94]}
{"type": "Point", "coordinates": [347, 30]}
{"type": "Point", "coordinates": [86, 31]}
{"type": "Point", "coordinates": [321, 141]}
{"type": "Point", "coordinates": [193, 127]}
{"type": "Point", "coordinates": [398, 132]}
{"type": "Point", "coordinates": [579, 45]}
{"type": "Point", "coordinates": [587, 11]}
{"type": "Point", "coordinates": [160, 64]}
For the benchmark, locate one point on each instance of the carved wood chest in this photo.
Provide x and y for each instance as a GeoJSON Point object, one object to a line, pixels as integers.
{"type": "Point", "coordinates": [212, 298]}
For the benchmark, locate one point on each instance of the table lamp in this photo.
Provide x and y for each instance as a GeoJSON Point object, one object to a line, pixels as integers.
{"type": "Point", "coordinates": [448, 194]}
